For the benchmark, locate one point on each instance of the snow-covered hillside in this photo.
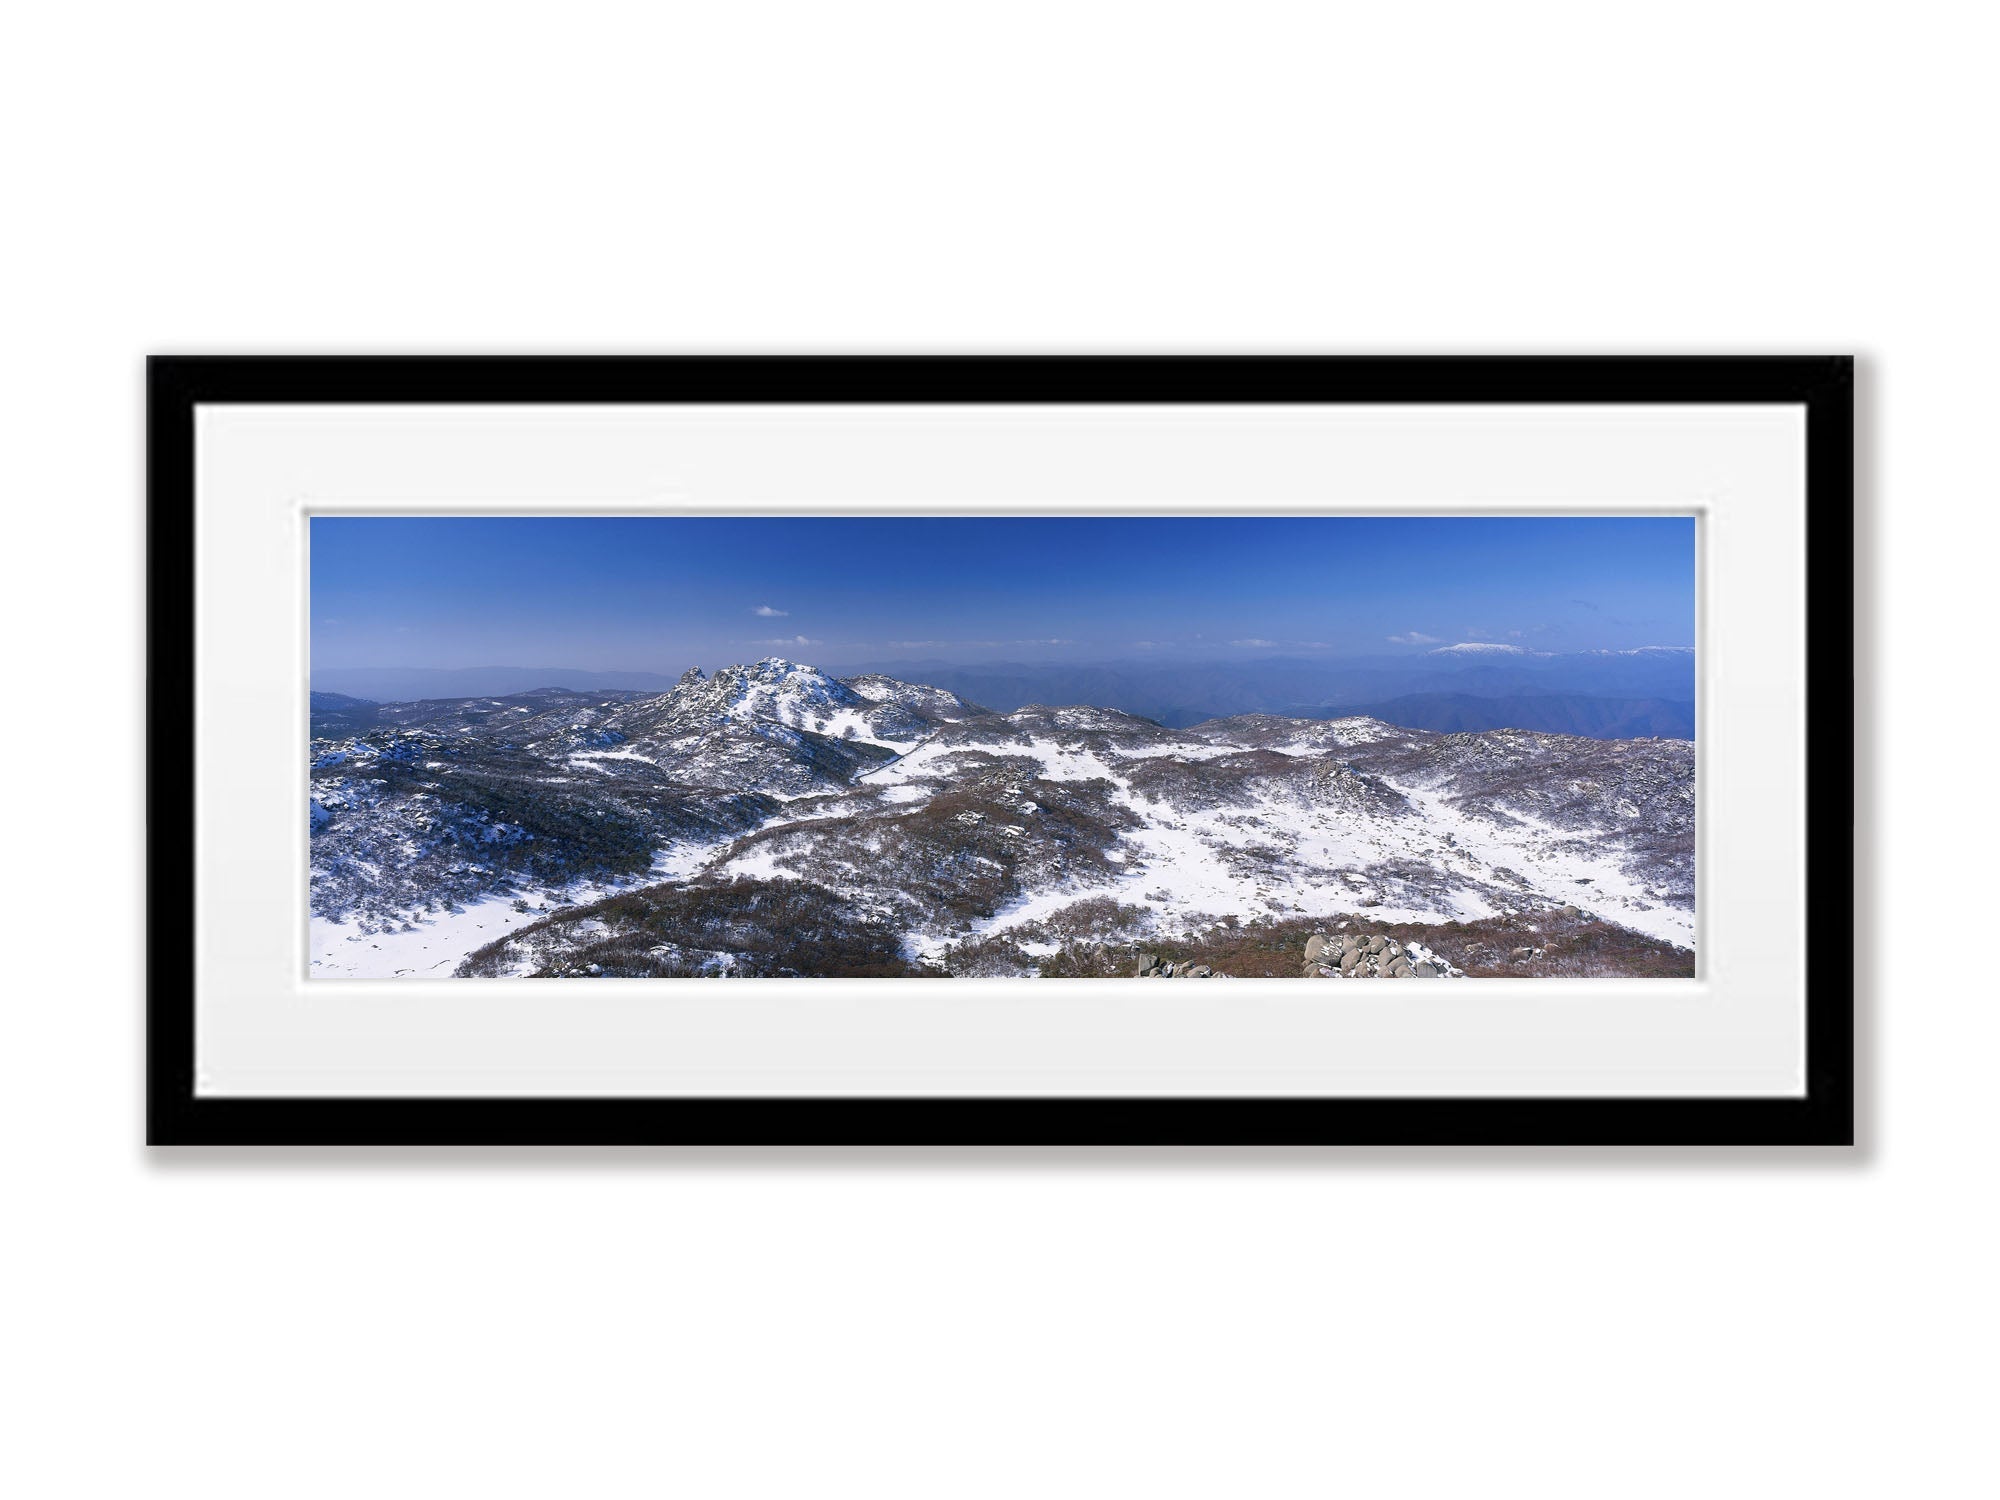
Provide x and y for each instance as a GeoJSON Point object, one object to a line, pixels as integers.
{"type": "Point", "coordinates": [926, 824]}
{"type": "Point", "coordinates": [934, 705]}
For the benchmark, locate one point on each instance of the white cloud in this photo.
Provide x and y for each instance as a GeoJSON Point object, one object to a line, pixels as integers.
{"type": "Point", "coordinates": [1252, 641]}
{"type": "Point", "coordinates": [765, 612]}
{"type": "Point", "coordinates": [1413, 638]}
{"type": "Point", "coordinates": [796, 640]}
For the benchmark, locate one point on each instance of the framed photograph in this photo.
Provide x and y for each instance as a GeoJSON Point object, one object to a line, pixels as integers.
{"type": "Point", "coordinates": [1027, 751]}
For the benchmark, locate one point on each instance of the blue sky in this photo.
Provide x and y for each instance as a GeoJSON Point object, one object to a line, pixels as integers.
{"type": "Point", "coordinates": [660, 593]}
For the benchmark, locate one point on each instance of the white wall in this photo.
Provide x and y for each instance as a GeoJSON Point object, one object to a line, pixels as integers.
{"type": "Point", "coordinates": [1527, 177]}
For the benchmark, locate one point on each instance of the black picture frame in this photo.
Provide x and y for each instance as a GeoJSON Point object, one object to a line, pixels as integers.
{"type": "Point", "coordinates": [1823, 1115]}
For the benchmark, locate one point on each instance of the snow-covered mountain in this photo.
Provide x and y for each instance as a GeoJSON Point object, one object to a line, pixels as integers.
{"type": "Point", "coordinates": [932, 704]}
{"type": "Point", "coordinates": [771, 818]}
{"type": "Point", "coordinates": [870, 711]}
{"type": "Point", "coordinates": [1485, 648]}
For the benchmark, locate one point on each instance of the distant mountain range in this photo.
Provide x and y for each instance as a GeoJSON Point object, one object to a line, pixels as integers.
{"type": "Point", "coordinates": [1182, 692]}
{"type": "Point", "coordinates": [408, 684]}
{"type": "Point", "coordinates": [1547, 713]}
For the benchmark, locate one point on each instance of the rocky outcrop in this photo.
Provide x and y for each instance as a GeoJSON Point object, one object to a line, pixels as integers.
{"type": "Point", "coordinates": [1353, 955]}
{"type": "Point", "coordinates": [1336, 955]}
{"type": "Point", "coordinates": [1151, 967]}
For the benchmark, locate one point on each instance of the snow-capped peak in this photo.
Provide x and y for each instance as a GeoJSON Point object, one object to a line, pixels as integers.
{"type": "Point", "coordinates": [787, 692]}
{"type": "Point", "coordinates": [774, 692]}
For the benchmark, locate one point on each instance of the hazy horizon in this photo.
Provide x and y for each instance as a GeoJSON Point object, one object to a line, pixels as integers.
{"type": "Point", "coordinates": [654, 595]}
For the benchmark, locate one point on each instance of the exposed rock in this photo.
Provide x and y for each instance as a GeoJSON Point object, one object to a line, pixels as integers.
{"type": "Point", "coordinates": [1151, 967]}
{"type": "Point", "coordinates": [1316, 945]}
{"type": "Point", "coordinates": [1378, 956]}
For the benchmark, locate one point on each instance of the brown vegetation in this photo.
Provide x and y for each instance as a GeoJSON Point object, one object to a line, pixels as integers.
{"type": "Point", "coordinates": [1556, 946]}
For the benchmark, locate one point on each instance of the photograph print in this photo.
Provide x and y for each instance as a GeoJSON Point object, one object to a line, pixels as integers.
{"type": "Point", "coordinates": [1158, 747]}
